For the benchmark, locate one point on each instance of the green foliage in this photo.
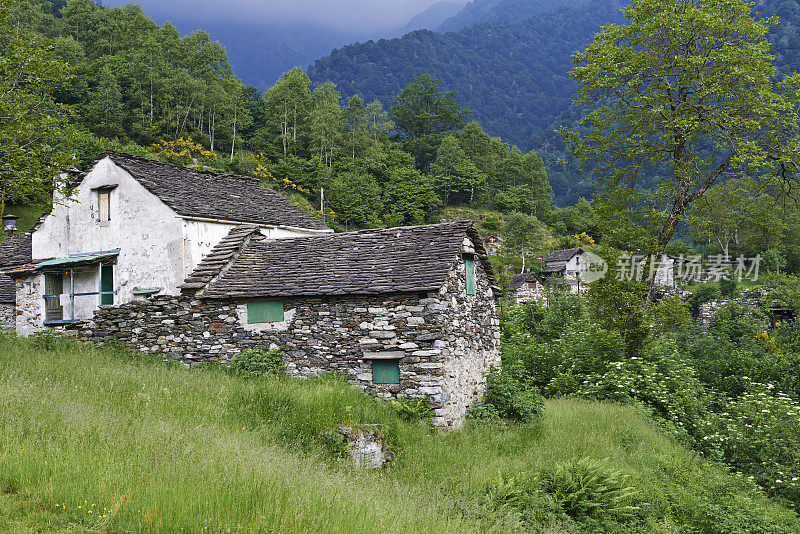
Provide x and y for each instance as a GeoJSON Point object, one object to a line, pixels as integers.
{"type": "Point", "coordinates": [587, 488]}
{"type": "Point", "coordinates": [412, 408]}
{"type": "Point", "coordinates": [507, 397]}
{"type": "Point", "coordinates": [422, 109]}
{"type": "Point", "coordinates": [335, 443]}
{"type": "Point", "coordinates": [257, 363]}
{"type": "Point", "coordinates": [727, 287]}
{"type": "Point", "coordinates": [36, 139]}
{"type": "Point", "coordinates": [758, 433]}
{"type": "Point", "coordinates": [703, 294]}
{"type": "Point", "coordinates": [523, 233]}
{"type": "Point", "coordinates": [685, 91]}
{"type": "Point", "coordinates": [773, 261]}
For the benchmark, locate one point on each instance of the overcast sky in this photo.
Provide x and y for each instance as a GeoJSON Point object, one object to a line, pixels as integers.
{"type": "Point", "coordinates": [364, 15]}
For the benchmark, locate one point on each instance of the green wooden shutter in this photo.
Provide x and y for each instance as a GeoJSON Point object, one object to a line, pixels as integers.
{"type": "Point", "coordinates": [385, 371]}
{"type": "Point", "coordinates": [107, 284]}
{"type": "Point", "coordinates": [266, 311]}
{"type": "Point", "coordinates": [469, 266]}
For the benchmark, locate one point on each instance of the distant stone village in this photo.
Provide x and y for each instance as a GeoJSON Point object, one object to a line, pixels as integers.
{"type": "Point", "coordinates": [198, 266]}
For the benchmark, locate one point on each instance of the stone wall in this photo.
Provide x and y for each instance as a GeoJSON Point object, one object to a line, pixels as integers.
{"type": "Point", "coordinates": [446, 340]}
{"type": "Point", "coordinates": [749, 297]}
{"type": "Point", "coordinates": [7, 316]}
{"type": "Point", "coordinates": [30, 305]}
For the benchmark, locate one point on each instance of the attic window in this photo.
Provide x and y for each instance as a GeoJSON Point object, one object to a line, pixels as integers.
{"type": "Point", "coordinates": [103, 205]}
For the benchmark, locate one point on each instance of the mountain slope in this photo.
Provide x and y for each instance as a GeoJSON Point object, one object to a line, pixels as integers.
{"type": "Point", "coordinates": [431, 18]}
{"type": "Point", "coordinates": [497, 11]}
{"type": "Point", "coordinates": [514, 76]}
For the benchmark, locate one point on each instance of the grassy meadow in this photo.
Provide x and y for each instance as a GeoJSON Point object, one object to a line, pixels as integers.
{"type": "Point", "coordinates": [99, 440]}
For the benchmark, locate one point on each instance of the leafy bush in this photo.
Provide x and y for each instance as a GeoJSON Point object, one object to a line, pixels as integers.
{"type": "Point", "coordinates": [255, 363]}
{"type": "Point", "coordinates": [586, 491]}
{"type": "Point", "coordinates": [758, 433]}
{"type": "Point", "coordinates": [727, 287]}
{"type": "Point", "coordinates": [588, 488]}
{"type": "Point", "coordinates": [50, 341]}
{"type": "Point", "coordinates": [702, 295]}
{"type": "Point", "coordinates": [661, 379]}
{"type": "Point", "coordinates": [412, 408]}
{"type": "Point", "coordinates": [334, 443]}
{"type": "Point", "coordinates": [508, 397]}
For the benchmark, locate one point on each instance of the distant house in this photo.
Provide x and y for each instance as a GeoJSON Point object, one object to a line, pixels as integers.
{"type": "Point", "coordinates": [527, 286]}
{"type": "Point", "coordinates": [566, 264]}
{"type": "Point", "coordinates": [14, 252]}
{"type": "Point", "coordinates": [492, 243]}
{"type": "Point", "coordinates": [407, 310]}
{"type": "Point", "coordinates": [136, 227]}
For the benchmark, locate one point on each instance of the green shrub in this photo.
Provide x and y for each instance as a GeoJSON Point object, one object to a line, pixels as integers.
{"type": "Point", "coordinates": [334, 443]}
{"type": "Point", "coordinates": [592, 489]}
{"type": "Point", "coordinates": [50, 341]}
{"type": "Point", "coordinates": [727, 287]}
{"type": "Point", "coordinates": [661, 380]}
{"type": "Point", "coordinates": [758, 433]}
{"type": "Point", "coordinates": [492, 222]}
{"type": "Point", "coordinates": [255, 363]}
{"type": "Point", "coordinates": [702, 295]}
{"type": "Point", "coordinates": [412, 408]}
{"type": "Point", "coordinates": [508, 397]}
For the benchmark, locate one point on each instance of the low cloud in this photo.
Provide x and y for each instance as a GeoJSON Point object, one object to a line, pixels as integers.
{"type": "Point", "coordinates": [347, 15]}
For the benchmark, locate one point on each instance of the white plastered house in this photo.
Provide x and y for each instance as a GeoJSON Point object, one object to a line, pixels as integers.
{"type": "Point", "coordinates": [134, 227]}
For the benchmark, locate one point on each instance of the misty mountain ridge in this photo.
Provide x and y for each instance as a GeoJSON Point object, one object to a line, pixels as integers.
{"type": "Point", "coordinates": [431, 18]}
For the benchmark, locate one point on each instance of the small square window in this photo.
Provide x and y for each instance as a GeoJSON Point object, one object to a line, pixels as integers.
{"type": "Point", "coordinates": [267, 311]}
{"type": "Point", "coordinates": [386, 371]}
{"type": "Point", "coordinates": [103, 206]}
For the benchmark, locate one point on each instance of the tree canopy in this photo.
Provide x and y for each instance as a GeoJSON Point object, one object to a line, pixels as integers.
{"type": "Point", "coordinates": [684, 93]}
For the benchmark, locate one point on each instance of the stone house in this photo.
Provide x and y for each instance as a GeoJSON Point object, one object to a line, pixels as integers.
{"type": "Point", "coordinates": [566, 264]}
{"type": "Point", "coordinates": [14, 252]}
{"type": "Point", "coordinates": [134, 227]}
{"type": "Point", "coordinates": [407, 310]}
{"type": "Point", "coordinates": [527, 286]}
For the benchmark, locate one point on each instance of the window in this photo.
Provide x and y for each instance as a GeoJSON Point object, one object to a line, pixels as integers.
{"type": "Point", "coordinates": [103, 206]}
{"type": "Point", "coordinates": [267, 311]}
{"type": "Point", "coordinates": [386, 371]}
{"type": "Point", "coordinates": [53, 287]}
{"type": "Point", "coordinates": [106, 284]}
{"type": "Point", "coordinates": [469, 267]}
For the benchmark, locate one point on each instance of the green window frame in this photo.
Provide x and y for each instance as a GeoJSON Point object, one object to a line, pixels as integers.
{"type": "Point", "coordinates": [386, 371]}
{"type": "Point", "coordinates": [265, 311]}
{"type": "Point", "coordinates": [469, 269]}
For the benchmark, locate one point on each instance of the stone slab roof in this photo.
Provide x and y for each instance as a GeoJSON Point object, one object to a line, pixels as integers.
{"type": "Point", "coordinates": [14, 251]}
{"type": "Point", "coordinates": [368, 262]}
{"type": "Point", "coordinates": [197, 193]}
{"type": "Point", "coordinates": [564, 255]}
{"type": "Point", "coordinates": [518, 279]}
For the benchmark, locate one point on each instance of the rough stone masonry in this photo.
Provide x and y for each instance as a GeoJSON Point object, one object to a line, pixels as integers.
{"type": "Point", "coordinates": [444, 340]}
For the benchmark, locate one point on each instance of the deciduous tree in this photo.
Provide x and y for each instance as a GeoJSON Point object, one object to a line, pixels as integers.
{"type": "Point", "coordinates": [686, 89]}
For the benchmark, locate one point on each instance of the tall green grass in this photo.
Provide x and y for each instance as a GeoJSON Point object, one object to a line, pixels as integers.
{"type": "Point", "coordinates": [100, 440]}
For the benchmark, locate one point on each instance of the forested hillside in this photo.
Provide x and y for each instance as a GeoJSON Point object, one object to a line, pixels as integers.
{"type": "Point", "coordinates": [512, 75]}
{"type": "Point", "coordinates": [480, 11]}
